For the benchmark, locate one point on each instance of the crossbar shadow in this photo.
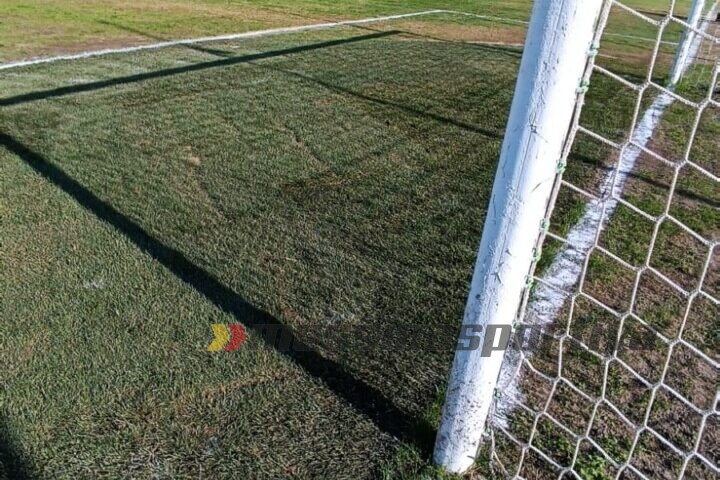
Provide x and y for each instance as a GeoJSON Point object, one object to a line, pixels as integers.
{"type": "Point", "coordinates": [92, 86]}
{"type": "Point", "coordinates": [365, 398]}
{"type": "Point", "coordinates": [140, 77]}
{"type": "Point", "coordinates": [222, 62]}
{"type": "Point", "coordinates": [510, 50]}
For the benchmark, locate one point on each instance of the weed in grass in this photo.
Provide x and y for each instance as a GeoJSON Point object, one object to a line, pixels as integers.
{"type": "Point", "coordinates": [554, 441]}
{"type": "Point", "coordinates": [592, 465]}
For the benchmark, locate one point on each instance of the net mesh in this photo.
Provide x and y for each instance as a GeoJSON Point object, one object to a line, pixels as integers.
{"type": "Point", "coordinates": [614, 367]}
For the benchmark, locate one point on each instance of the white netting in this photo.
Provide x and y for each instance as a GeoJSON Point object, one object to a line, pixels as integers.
{"type": "Point", "coordinates": [614, 371]}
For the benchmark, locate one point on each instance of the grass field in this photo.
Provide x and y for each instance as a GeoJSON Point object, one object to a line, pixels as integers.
{"type": "Point", "coordinates": [61, 25]}
{"type": "Point", "coordinates": [334, 182]}
{"type": "Point", "coordinates": [32, 28]}
{"type": "Point", "coordinates": [332, 185]}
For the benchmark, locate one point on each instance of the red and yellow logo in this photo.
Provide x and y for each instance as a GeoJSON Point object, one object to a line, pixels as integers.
{"type": "Point", "coordinates": [227, 337]}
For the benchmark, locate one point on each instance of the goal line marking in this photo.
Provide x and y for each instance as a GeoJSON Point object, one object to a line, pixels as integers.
{"type": "Point", "coordinates": [262, 33]}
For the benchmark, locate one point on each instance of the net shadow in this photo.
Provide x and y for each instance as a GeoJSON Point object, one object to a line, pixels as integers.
{"type": "Point", "coordinates": [364, 398]}
{"type": "Point", "coordinates": [168, 72]}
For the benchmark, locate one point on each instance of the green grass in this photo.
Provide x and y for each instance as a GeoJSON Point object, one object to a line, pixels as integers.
{"type": "Point", "coordinates": [34, 28]}
{"type": "Point", "coordinates": [328, 185]}
{"type": "Point", "coordinates": [334, 182]}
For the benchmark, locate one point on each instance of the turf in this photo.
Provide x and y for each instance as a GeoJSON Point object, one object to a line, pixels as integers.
{"type": "Point", "coordinates": [334, 189]}
{"type": "Point", "coordinates": [333, 182]}
{"type": "Point", "coordinates": [32, 28]}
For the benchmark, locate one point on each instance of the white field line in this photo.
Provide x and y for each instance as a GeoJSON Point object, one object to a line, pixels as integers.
{"type": "Point", "coordinates": [565, 270]}
{"type": "Point", "coordinates": [235, 36]}
{"type": "Point", "coordinates": [264, 33]}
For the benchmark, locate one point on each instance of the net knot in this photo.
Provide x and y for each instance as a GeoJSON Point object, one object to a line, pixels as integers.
{"type": "Point", "coordinates": [545, 225]}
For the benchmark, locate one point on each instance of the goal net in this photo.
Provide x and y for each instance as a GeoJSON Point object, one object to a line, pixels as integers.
{"type": "Point", "coordinates": [612, 369]}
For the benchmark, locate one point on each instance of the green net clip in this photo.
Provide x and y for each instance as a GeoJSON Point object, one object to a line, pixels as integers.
{"type": "Point", "coordinates": [584, 87]}
{"type": "Point", "coordinates": [561, 168]}
{"type": "Point", "coordinates": [594, 50]}
{"type": "Point", "coordinates": [529, 282]}
{"type": "Point", "coordinates": [545, 225]}
{"type": "Point", "coordinates": [537, 254]}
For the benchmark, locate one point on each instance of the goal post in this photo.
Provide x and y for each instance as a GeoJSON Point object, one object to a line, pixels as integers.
{"type": "Point", "coordinates": [557, 55]}
{"type": "Point", "coordinates": [686, 42]}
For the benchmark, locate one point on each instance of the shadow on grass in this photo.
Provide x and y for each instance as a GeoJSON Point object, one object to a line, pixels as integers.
{"type": "Point", "coordinates": [363, 397]}
{"type": "Point", "coordinates": [223, 62]}
{"type": "Point", "coordinates": [511, 50]}
{"type": "Point", "coordinates": [168, 72]}
{"type": "Point", "coordinates": [13, 463]}
{"type": "Point", "coordinates": [682, 192]}
{"type": "Point", "coordinates": [388, 103]}
{"type": "Point", "coordinates": [92, 86]}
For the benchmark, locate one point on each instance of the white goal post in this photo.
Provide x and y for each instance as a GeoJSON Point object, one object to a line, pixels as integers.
{"type": "Point", "coordinates": [553, 66]}
{"type": "Point", "coordinates": [686, 42]}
